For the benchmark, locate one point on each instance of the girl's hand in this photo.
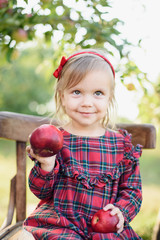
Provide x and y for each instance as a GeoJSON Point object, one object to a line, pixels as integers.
{"type": "Point", "coordinates": [114, 211]}
{"type": "Point", "coordinates": [47, 163]}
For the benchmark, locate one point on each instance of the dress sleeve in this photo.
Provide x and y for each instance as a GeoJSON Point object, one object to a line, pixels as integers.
{"type": "Point", "coordinates": [41, 182]}
{"type": "Point", "coordinates": [129, 197]}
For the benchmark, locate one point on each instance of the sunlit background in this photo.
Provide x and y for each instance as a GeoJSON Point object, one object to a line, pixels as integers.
{"type": "Point", "coordinates": [141, 27]}
{"type": "Point", "coordinates": [141, 22]}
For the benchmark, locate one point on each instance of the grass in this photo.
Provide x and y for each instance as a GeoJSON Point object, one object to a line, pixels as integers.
{"type": "Point", "coordinates": [144, 222]}
{"type": "Point", "coordinates": [150, 171]}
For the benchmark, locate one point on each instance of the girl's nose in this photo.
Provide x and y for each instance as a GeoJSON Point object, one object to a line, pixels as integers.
{"type": "Point", "coordinates": [87, 101]}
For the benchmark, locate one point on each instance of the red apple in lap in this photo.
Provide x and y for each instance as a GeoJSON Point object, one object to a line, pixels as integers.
{"type": "Point", "coordinates": [104, 222]}
{"type": "Point", "coordinates": [46, 140]}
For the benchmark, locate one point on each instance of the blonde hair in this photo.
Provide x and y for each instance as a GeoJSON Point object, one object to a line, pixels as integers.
{"type": "Point", "coordinates": [74, 70]}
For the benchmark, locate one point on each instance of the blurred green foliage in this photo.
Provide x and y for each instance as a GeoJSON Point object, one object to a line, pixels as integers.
{"type": "Point", "coordinates": [74, 23]}
{"type": "Point", "coordinates": [150, 103]}
{"type": "Point", "coordinates": [68, 17]}
{"type": "Point", "coordinates": [23, 82]}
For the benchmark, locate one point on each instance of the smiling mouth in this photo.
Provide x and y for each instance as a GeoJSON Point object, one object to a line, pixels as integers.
{"type": "Point", "coordinates": [86, 113]}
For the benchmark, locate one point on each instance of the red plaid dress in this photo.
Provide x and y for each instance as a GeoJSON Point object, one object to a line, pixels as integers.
{"type": "Point", "coordinates": [89, 173]}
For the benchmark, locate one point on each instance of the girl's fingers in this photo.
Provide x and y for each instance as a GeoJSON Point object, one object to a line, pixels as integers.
{"type": "Point", "coordinates": [121, 222]}
{"type": "Point", "coordinates": [30, 153]}
{"type": "Point", "coordinates": [28, 148]}
{"type": "Point", "coordinates": [120, 225]}
{"type": "Point", "coordinates": [115, 211]}
{"type": "Point", "coordinates": [120, 229]}
{"type": "Point", "coordinates": [108, 207]}
{"type": "Point", "coordinates": [33, 156]}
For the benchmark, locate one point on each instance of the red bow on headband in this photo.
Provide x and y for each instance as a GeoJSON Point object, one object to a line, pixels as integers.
{"type": "Point", "coordinates": [57, 72]}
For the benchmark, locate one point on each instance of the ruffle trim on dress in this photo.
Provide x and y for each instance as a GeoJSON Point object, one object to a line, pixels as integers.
{"type": "Point", "coordinates": [130, 152]}
{"type": "Point", "coordinates": [130, 155]}
{"type": "Point", "coordinates": [90, 181]}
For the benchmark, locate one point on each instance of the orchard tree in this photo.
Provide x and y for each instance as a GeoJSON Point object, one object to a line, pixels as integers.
{"type": "Point", "coordinates": [26, 83]}
{"type": "Point", "coordinates": [75, 23]}
{"type": "Point", "coordinates": [90, 23]}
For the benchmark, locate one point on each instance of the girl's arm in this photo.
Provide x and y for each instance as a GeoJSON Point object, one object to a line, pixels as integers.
{"type": "Point", "coordinates": [43, 175]}
{"type": "Point", "coordinates": [129, 196]}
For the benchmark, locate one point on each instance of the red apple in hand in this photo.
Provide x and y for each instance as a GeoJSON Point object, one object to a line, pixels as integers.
{"type": "Point", "coordinates": [104, 222]}
{"type": "Point", "coordinates": [46, 140]}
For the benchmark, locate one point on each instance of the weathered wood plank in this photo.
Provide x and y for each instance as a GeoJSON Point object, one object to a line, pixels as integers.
{"type": "Point", "coordinates": [156, 230]}
{"type": "Point", "coordinates": [21, 181]}
{"type": "Point", "coordinates": [144, 134]}
{"type": "Point", "coordinates": [11, 232]}
{"type": "Point", "coordinates": [11, 205]}
{"type": "Point", "coordinates": [18, 127]}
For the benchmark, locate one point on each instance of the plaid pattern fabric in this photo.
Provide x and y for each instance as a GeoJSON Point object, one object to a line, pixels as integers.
{"type": "Point", "coordinates": [89, 173]}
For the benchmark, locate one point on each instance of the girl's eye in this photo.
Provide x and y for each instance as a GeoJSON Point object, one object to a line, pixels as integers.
{"type": "Point", "coordinates": [76, 92]}
{"type": "Point", "coordinates": [98, 93]}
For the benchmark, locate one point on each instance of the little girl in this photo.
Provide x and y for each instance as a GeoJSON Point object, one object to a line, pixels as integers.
{"type": "Point", "coordinates": [97, 168]}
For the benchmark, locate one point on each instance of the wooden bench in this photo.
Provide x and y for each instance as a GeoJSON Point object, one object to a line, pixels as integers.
{"type": "Point", "coordinates": [17, 127]}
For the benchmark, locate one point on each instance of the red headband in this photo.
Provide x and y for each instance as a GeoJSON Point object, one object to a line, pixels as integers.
{"type": "Point", "coordinates": [57, 72]}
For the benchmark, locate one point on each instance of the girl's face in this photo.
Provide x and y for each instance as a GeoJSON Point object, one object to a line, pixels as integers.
{"type": "Point", "coordinates": [86, 103]}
